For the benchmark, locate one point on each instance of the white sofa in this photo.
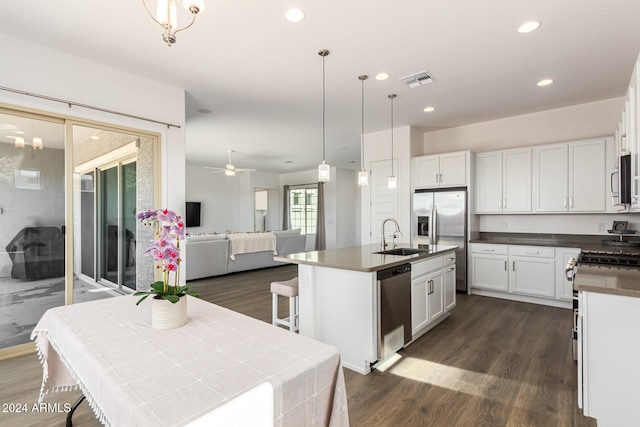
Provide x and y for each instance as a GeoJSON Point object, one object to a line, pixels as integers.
{"type": "Point", "coordinates": [209, 255]}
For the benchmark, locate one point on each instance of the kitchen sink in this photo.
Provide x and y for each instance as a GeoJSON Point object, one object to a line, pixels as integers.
{"type": "Point", "coordinates": [402, 251]}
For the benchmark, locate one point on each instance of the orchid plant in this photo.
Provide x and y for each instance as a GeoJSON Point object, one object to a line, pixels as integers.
{"type": "Point", "coordinates": [165, 249]}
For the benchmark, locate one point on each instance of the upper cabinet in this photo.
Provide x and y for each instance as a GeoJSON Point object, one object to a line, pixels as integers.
{"type": "Point", "coordinates": [503, 181]}
{"type": "Point", "coordinates": [442, 170]}
{"type": "Point", "coordinates": [570, 177]}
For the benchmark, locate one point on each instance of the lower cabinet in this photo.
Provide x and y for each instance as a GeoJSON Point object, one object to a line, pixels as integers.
{"type": "Point", "coordinates": [449, 286]}
{"type": "Point", "coordinates": [435, 294]}
{"type": "Point", "coordinates": [608, 352]}
{"type": "Point", "coordinates": [530, 271]}
{"type": "Point", "coordinates": [433, 288]}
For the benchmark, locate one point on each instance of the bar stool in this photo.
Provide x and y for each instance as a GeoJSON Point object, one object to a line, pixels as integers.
{"type": "Point", "coordinates": [288, 289]}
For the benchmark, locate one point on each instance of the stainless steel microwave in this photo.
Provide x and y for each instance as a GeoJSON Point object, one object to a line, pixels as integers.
{"type": "Point", "coordinates": [621, 181]}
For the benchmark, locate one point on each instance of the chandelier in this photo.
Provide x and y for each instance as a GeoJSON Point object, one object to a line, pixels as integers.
{"type": "Point", "coordinates": [167, 16]}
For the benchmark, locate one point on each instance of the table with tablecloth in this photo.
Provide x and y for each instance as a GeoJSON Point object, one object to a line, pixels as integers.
{"type": "Point", "coordinates": [133, 375]}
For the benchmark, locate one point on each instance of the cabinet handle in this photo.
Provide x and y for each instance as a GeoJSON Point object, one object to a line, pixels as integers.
{"type": "Point", "coordinates": [489, 250]}
{"type": "Point", "coordinates": [513, 265]}
{"type": "Point", "coordinates": [504, 203]}
{"type": "Point", "coordinates": [571, 201]}
{"type": "Point", "coordinates": [450, 259]}
{"type": "Point", "coordinates": [499, 203]}
{"type": "Point", "coordinates": [440, 177]}
{"type": "Point", "coordinates": [450, 268]}
{"type": "Point", "coordinates": [564, 202]}
{"type": "Point", "coordinates": [437, 177]}
{"type": "Point", "coordinates": [505, 265]}
{"type": "Point", "coordinates": [532, 253]}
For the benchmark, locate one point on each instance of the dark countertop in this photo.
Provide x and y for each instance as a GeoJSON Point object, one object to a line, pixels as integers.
{"type": "Point", "coordinates": [362, 258]}
{"type": "Point", "coordinates": [622, 281]}
{"type": "Point", "coordinates": [584, 242]}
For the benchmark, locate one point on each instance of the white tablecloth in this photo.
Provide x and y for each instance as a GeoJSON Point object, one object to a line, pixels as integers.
{"type": "Point", "coordinates": [133, 375]}
{"type": "Point", "coordinates": [243, 243]}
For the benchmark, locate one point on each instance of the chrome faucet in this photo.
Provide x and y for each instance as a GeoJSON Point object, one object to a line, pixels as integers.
{"type": "Point", "coordinates": [383, 244]}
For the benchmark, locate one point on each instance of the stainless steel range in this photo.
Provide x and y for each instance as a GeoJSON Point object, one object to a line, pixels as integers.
{"type": "Point", "coordinates": [591, 259]}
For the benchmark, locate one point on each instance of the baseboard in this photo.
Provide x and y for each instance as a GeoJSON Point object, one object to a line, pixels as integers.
{"type": "Point", "coordinates": [522, 298]}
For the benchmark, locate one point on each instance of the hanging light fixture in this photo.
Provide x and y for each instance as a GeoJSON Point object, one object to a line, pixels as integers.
{"type": "Point", "coordinates": [167, 16]}
{"type": "Point", "coordinates": [363, 175]}
{"type": "Point", "coordinates": [37, 143]}
{"type": "Point", "coordinates": [19, 142]}
{"type": "Point", "coordinates": [324, 170]}
{"type": "Point", "coordinates": [393, 181]}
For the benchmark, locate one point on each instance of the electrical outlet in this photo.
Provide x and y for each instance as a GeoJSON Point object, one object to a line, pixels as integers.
{"type": "Point", "coordinates": [504, 225]}
{"type": "Point", "coordinates": [601, 226]}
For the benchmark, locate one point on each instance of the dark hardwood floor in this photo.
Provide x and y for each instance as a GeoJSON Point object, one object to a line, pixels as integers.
{"type": "Point", "coordinates": [492, 363]}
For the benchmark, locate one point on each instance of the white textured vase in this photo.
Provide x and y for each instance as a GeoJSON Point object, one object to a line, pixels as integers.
{"type": "Point", "coordinates": [166, 315]}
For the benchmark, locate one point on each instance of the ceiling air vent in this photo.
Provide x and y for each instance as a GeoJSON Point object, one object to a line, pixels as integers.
{"type": "Point", "coordinates": [418, 79]}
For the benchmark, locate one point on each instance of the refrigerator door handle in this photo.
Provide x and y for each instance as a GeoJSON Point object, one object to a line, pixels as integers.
{"type": "Point", "coordinates": [434, 222]}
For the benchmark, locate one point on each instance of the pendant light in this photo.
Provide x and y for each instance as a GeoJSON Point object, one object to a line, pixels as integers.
{"type": "Point", "coordinates": [324, 170]}
{"type": "Point", "coordinates": [393, 181]}
{"type": "Point", "coordinates": [363, 175]}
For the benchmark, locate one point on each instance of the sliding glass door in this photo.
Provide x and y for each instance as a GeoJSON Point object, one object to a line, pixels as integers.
{"type": "Point", "coordinates": [69, 193]}
{"type": "Point", "coordinates": [32, 215]}
{"type": "Point", "coordinates": [117, 225]}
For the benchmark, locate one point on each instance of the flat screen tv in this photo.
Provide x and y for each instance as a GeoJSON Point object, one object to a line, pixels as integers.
{"type": "Point", "coordinates": [192, 217]}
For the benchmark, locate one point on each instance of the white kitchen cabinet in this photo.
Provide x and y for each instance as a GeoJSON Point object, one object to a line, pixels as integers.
{"type": "Point", "coordinates": [503, 181]}
{"type": "Point", "coordinates": [587, 176]}
{"type": "Point", "coordinates": [442, 170]}
{"type": "Point", "coordinates": [521, 273]}
{"type": "Point", "coordinates": [564, 286]}
{"type": "Point", "coordinates": [419, 314]}
{"type": "Point", "coordinates": [435, 294]}
{"type": "Point", "coordinates": [533, 271]}
{"type": "Point", "coordinates": [433, 287]}
{"type": "Point", "coordinates": [449, 286]}
{"type": "Point", "coordinates": [551, 177]}
{"type": "Point", "coordinates": [570, 177]}
{"type": "Point", "coordinates": [489, 267]}
{"type": "Point", "coordinates": [608, 353]}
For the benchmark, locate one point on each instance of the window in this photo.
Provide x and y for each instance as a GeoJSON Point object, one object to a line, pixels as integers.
{"type": "Point", "coordinates": [303, 207]}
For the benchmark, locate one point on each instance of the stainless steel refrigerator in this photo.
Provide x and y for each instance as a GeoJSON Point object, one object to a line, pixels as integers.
{"type": "Point", "coordinates": [440, 218]}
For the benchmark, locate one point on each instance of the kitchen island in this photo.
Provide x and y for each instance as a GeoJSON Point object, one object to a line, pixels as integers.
{"type": "Point", "coordinates": [339, 296]}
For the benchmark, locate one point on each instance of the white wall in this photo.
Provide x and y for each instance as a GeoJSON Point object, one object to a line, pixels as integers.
{"type": "Point", "coordinates": [377, 148]}
{"type": "Point", "coordinates": [557, 224]}
{"type": "Point", "coordinates": [270, 182]}
{"type": "Point", "coordinates": [57, 74]}
{"type": "Point", "coordinates": [562, 124]}
{"type": "Point", "coordinates": [41, 70]}
{"type": "Point", "coordinates": [347, 208]}
{"type": "Point", "coordinates": [227, 201]}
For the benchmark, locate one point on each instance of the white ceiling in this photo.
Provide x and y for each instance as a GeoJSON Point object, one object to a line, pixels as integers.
{"type": "Point", "coordinates": [261, 77]}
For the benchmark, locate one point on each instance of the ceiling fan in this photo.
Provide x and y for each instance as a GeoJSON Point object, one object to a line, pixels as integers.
{"type": "Point", "coordinates": [229, 169]}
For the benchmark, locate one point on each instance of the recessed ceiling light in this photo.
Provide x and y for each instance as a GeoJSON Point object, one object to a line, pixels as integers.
{"type": "Point", "coordinates": [382, 76]}
{"type": "Point", "coordinates": [294, 15]}
{"type": "Point", "coordinates": [545, 82]}
{"type": "Point", "coordinates": [527, 27]}
{"type": "Point", "coordinates": [94, 137]}
{"type": "Point", "coordinates": [429, 109]}
{"type": "Point", "coordinates": [19, 132]}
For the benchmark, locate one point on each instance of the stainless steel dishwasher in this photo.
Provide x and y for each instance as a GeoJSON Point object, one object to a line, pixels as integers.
{"type": "Point", "coordinates": [394, 310]}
